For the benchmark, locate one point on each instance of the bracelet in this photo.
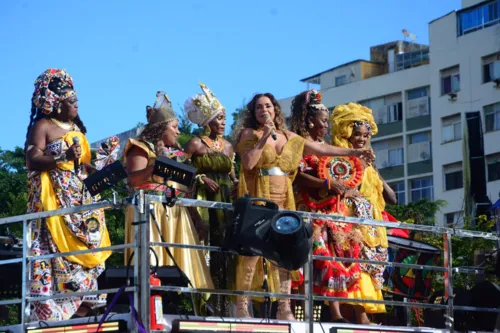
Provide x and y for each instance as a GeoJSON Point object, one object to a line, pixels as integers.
{"type": "Point", "coordinates": [327, 184]}
{"type": "Point", "coordinates": [61, 158]}
{"type": "Point", "coordinates": [199, 178]}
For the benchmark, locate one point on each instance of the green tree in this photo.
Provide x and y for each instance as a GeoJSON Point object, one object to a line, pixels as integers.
{"type": "Point", "coordinates": [424, 212]}
{"type": "Point", "coordinates": [185, 127]}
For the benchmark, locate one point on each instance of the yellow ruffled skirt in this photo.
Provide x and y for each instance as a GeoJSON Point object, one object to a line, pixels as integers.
{"type": "Point", "coordinates": [367, 291]}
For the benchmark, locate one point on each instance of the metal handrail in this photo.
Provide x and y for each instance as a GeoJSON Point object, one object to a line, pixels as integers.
{"type": "Point", "coordinates": [141, 251]}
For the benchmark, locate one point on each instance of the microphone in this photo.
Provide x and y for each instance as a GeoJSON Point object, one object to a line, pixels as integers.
{"type": "Point", "coordinates": [76, 140]}
{"type": "Point", "coordinates": [273, 133]}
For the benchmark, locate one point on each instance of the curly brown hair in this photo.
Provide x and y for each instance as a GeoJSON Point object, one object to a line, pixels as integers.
{"type": "Point", "coordinates": [248, 119]}
{"type": "Point", "coordinates": [300, 114]}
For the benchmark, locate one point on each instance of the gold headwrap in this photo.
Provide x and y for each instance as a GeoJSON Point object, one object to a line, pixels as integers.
{"type": "Point", "coordinates": [343, 119]}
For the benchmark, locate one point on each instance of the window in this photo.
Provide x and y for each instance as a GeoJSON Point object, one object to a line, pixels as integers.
{"type": "Point", "coordinates": [492, 117]}
{"type": "Point", "coordinates": [389, 153]}
{"type": "Point", "coordinates": [491, 68]}
{"type": "Point", "coordinates": [493, 165]}
{"type": "Point", "coordinates": [478, 18]}
{"type": "Point", "coordinates": [421, 188]}
{"type": "Point", "coordinates": [453, 176]}
{"type": "Point", "coordinates": [417, 93]}
{"type": "Point", "coordinates": [455, 219]}
{"type": "Point", "coordinates": [389, 113]}
{"type": "Point", "coordinates": [396, 156]}
{"type": "Point", "coordinates": [419, 137]}
{"type": "Point", "coordinates": [340, 80]}
{"type": "Point", "coordinates": [452, 128]}
{"type": "Point", "coordinates": [450, 80]}
{"type": "Point", "coordinates": [399, 190]}
{"type": "Point", "coordinates": [395, 112]}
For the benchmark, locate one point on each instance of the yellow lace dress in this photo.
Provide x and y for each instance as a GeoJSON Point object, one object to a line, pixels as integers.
{"type": "Point", "coordinates": [275, 188]}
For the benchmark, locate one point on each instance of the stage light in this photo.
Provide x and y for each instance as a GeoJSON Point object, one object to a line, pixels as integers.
{"type": "Point", "coordinates": [107, 177]}
{"type": "Point", "coordinates": [259, 228]}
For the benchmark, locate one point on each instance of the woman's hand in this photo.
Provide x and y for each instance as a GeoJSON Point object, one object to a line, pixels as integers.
{"type": "Point", "coordinates": [336, 187]}
{"type": "Point", "coordinates": [352, 194]}
{"type": "Point", "coordinates": [159, 148]}
{"type": "Point", "coordinates": [268, 128]}
{"type": "Point", "coordinates": [210, 185]}
{"type": "Point", "coordinates": [74, 152]}
{"type": "Point", "coordinates": [365, 154]}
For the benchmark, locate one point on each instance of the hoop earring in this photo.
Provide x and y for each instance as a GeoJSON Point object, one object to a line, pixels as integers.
{"type": "Point", "coordinates": [207, 131]}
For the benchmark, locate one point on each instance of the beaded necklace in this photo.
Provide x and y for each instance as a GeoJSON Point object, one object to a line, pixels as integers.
{"type": "Point", "coordinates": [216, 145]}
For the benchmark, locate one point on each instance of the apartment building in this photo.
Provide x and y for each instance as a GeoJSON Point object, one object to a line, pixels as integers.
{"type": "Point", "coordinates": [419, 95]}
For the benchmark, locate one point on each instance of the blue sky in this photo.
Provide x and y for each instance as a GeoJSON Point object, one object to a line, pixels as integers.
{"type": "Point", "coordinates": [121, 52]}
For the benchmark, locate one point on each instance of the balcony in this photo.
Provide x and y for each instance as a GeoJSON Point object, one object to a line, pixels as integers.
{"type": "Point", "coordinates": [390, 162]}
{"type": "Point", "coordinates": [420, 151]}
{"type": "Point", "coordinates": [419, 158]}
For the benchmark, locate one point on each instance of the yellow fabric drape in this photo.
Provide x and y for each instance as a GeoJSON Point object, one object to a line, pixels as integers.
{"type": "Point", "coordinates": [176, 226]}
{"type": "Point", "coordinates": [65, 240]}
{"type": "Point", "coordinates": [342, 122]}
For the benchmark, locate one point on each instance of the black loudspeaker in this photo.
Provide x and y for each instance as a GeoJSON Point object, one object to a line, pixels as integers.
{"type": "Point", "coordinates": [477, 163]}
{"type": "Point", "coordinates": [115, 277]}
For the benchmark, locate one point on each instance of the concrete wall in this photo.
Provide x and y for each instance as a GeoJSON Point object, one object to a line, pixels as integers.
{"type": "Point", "coordinates": [468, 3]}
{"type": "Point", "coordinates": [447, 50]}
{"type": "Point", "coordinates": [328, 79]}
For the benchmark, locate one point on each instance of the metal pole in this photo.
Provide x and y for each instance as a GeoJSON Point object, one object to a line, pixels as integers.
{"type": "Point", "coordinates": [448, 279]}
{"type": "Point", "coordinates": [136, 204]}
{"type": "Point", "coordinates": [144, 264]}
{"type": "Point", "coordinates": [25, 272]}
{"type": "Point", "coordinates": [308, 287]}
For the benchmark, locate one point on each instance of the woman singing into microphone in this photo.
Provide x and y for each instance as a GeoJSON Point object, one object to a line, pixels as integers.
{"type": "Point", "coordinates": [54, 142]}
{"type": "Point", "coordinates": [269, 167]}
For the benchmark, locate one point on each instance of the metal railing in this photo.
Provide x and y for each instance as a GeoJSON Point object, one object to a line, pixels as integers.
{"type": "Point", "coordinates": [141, 245]}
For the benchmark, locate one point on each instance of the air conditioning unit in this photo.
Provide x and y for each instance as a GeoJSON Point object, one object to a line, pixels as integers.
{"type": "Point", "coordinates": [452, 96]}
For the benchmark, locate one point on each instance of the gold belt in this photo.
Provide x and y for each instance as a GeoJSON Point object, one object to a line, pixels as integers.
{"type": "Point", "coordinates": [275, 171]}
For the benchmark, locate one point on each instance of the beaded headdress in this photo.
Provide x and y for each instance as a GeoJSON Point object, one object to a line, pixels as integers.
{"type": "Point", "coordinates": [201, 109]}
{"type": "Point", "coordinates": [313, 99]}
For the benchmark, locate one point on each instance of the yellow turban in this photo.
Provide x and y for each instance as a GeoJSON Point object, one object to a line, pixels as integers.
{"type": "Point", "coordinates": [342, 122]}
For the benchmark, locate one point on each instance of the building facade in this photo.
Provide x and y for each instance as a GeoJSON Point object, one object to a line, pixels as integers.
{"type": "Point", "coordinates": [419, 96]}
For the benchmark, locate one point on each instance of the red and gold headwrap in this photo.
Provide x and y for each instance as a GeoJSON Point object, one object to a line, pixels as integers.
{"type": "Point", "coordinates": [46, 99]}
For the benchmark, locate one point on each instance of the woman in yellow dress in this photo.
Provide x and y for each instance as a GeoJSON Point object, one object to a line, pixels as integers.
{"type": "Point", "coordinates": [353, 126]}
{"type": "Point", "coordinates": [55, 183]}
{"type": "Point", "coordinates": [269, 166]}
{"type": "Point", "coordinates": [159, 138]}
{"type": "Point", "coordinates": [213, 158]}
